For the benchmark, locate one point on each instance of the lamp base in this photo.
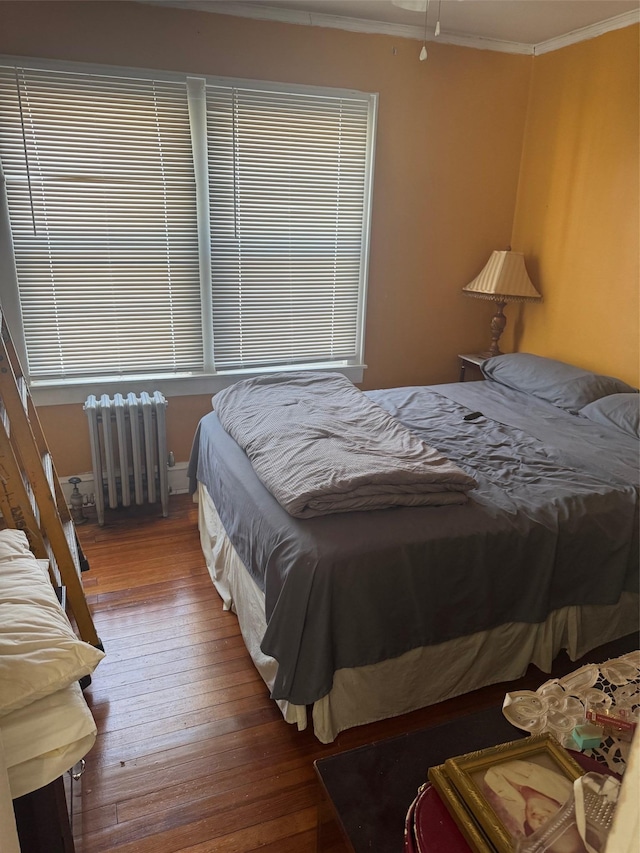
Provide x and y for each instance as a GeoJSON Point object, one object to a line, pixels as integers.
{"type": "Point", "coordinates": [498, 322]}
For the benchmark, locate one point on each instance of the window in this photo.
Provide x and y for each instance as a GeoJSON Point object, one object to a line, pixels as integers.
{"type": "Point", "coordinates": [173, 226]}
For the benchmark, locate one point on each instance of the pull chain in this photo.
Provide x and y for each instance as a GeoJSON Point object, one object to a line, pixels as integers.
{"type": "Point", "coordinates": [423, 52]}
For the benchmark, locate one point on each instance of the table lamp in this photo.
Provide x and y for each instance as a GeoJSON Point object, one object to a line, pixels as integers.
{"type": "Point", "coordinates": [504, 279]}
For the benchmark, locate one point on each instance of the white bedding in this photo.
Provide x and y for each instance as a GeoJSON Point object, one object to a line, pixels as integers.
{"type": "Point", "coordinates": [39, 651]}
{"type": "Point", "coordinates": [7, 817]}
{"type": "Point", "coordinates": [46, 738]}
{"type": "Point", "coordinates": [45, 724]}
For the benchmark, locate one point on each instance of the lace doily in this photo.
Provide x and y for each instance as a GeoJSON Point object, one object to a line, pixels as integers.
{"type": "Point", "coordinates": [561, 704]}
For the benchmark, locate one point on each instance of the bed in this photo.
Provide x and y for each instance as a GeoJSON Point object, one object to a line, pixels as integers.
{"type": "Point", "coordinates": [355, 616]}
{"type": "Point", "coordinates": [46, 726]}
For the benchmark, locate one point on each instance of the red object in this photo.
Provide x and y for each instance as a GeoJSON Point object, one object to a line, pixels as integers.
{"type": "Point", "coordinates": [611, 721]}
{"type": "Point", "coordinates": [429, 828]}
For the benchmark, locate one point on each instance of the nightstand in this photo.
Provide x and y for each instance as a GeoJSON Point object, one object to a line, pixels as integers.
{"type": "Point", "coordinates": [473, 360]}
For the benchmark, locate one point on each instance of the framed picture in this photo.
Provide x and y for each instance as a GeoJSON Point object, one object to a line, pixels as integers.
{"type": "Point", "coordinates": [456, 807]}
{"type": "Point", "coordinates": [513, 789]}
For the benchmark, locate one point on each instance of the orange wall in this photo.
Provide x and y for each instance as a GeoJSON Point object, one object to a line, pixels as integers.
{"type": "Point", "coordinates": [446, 171]}
{"type": "Point", "coordinates": [449, 154]}
{"type": "Point", "coordinates": [577, 210]}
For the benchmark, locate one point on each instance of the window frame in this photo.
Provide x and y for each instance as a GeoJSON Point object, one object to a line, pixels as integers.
{"type": "Point", "coordinates": [209, 380]}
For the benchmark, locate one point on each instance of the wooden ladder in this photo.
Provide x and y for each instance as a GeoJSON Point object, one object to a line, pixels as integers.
{"type": "Point", "coordinates": [31, 498]}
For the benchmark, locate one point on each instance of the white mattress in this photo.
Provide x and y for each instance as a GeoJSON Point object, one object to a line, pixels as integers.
{"type": "Point", "coordinates": [45, 739]}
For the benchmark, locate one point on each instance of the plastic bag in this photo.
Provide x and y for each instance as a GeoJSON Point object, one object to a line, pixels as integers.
{"type": "Point", "coordinates": [582, 824]}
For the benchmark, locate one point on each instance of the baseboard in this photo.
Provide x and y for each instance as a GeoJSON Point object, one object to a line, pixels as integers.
{"type": "Point", "coordinates": [178, 483]}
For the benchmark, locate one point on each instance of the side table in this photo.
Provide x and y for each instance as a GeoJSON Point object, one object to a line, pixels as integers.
{"type": "Point", "coordinates": [472, 360]}
{"type": "Point", "coordinates": [365, 792]}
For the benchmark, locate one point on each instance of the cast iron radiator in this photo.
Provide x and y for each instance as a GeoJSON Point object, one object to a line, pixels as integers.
{"type": "Point", "coordinates": [128, 438]}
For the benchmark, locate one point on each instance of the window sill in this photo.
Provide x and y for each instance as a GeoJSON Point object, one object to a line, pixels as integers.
{"type": "Point", "coordinates": [77, 391]}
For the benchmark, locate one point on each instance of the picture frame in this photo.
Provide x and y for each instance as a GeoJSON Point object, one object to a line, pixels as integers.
{"type": "Point", "coordinates": [513, 789]}
{"type": "Point", "coordinates": [464, 820]}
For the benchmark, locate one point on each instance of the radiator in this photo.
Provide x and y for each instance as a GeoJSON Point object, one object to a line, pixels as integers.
{"type": "Point", "coordinates": [128, 438]}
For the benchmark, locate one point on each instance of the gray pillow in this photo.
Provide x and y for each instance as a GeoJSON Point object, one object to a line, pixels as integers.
{"type": "Point", "coordinates": [564, 385]}
{"type": "Point", "coordinates": [619, 410]}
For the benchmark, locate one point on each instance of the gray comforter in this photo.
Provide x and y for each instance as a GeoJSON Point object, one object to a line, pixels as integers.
{"type": "Point", "coordinates": [321, 446]}
{"type": "Point", "coordinates": [552, 522]}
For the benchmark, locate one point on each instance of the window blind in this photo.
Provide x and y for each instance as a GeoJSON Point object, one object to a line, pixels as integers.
{"type": "Point", "coordinates": [287, 189]}
{"type": "Point", "coordinates": [171, 225]}
{"type": "Point", "coordinates": [101, 194]}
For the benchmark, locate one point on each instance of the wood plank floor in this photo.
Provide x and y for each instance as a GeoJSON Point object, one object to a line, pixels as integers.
{"type": "Point", "coordinates": [191, 754]}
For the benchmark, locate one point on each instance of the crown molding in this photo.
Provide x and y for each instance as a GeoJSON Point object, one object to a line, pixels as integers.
{"type": "Point", "coordinates": [361, 25]}
{"type": "Point", "coordinates": [357, 25]}
{"type": "Point", "coordinates": [591, 32]}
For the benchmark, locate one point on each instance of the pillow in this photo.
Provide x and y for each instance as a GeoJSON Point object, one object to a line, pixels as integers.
{"type": "Point", "coordinates": [619, 410]}
{"type": "Point", "coordinates": [39, 651]}
{"type": "Point", "coordinates": [564, 385]}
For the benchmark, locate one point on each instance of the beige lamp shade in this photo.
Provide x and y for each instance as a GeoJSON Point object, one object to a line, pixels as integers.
{"type": "Point", "coordinates": [504, 279]}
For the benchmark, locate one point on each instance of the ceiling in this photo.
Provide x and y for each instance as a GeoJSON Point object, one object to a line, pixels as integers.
{"type": "Point", "coordinates": [512, 25]}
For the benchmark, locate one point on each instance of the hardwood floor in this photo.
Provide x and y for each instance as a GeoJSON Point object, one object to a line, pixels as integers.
{"type": "Point", "coordinates": [192, 754]}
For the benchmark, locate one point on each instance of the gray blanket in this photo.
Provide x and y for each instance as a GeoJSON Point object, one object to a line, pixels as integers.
{"type": "Point", "coordinates": [321, 446]}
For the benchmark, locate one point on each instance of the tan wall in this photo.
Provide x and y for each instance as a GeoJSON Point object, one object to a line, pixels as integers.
{"type": "Point", "coordinates": [447, 161]}
{"type": "Point", "coordinates": [577, 212]}
{"type": "Point", "coordinates": [448, 157]}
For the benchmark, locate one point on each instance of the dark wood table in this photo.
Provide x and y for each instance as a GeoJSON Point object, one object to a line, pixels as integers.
{"type": "Point", "coordinates": [365, 792]}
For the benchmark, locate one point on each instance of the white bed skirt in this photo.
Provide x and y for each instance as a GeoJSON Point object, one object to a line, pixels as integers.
{"type": "Point", "coordinates": [422, 676]}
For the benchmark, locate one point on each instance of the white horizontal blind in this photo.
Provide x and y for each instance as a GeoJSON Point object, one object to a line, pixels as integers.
{"type": "Point", "coordinates": [287, 186]}
{"type": "Point", "coordinates": [102, 168]}
{"type": "Point", "coordinates": [113, 244]}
